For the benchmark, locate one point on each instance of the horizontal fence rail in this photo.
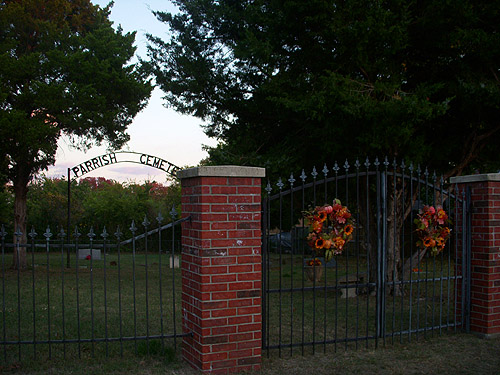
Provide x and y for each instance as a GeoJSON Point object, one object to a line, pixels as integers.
{"type": "Point", "coordinates": [382, 288]}
{"type": "Point", "coordinates": [98, 295]}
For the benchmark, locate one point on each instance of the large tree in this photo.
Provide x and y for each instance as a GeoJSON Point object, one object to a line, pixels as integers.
{"type": "Point", "coordinates": [63, 70]}
{"type": "Point", "coordinates": [289, 84]}
{"type": "Point", "coordinates": [292, 83]}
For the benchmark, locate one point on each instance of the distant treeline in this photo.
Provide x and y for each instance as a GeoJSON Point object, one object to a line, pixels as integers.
{"type": "Point", "coordinates": [96, 202]}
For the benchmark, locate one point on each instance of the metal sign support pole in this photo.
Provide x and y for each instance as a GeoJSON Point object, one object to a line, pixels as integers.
{"type": "Point", "coordinates": [69, 218]}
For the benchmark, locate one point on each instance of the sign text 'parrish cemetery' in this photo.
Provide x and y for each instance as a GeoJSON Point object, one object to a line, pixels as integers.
{"type": "Point", "coordinates": [122, 157]}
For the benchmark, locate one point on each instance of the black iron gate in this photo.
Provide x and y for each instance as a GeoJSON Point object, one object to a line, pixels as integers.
{"type": "Point", "coordinates": [383, 286]}
{"type": "Point", "coordinates": [119, 296]}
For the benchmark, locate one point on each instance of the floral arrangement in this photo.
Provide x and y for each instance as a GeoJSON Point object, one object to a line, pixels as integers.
{"type": "Point", "coordinates": [330, 229]}
{"type": "Point", "coordinates": [432, 229]}
{"type": "Point", "coordinates": [314, 262]}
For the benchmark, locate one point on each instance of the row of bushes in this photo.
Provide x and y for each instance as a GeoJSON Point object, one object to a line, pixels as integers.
{"type": "Point", "coordinates": [95, 201]}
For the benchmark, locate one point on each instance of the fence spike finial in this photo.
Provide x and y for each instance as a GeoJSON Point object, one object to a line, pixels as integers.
{"type": "Point", "coordinates": [336, 167]}
{"type": "Point", "coordinates": [3, 233]}
{"type": "Point", "coordinates": [77, 233]}
{"type": "Point", "coordinates": [145, 222]}
{"type": "Point", "coordinates": [357, 164]}
{"type": "Point", "coordinates": [291, 180]}
{"type": "Point", "coordinates": [61, 233]}
{"type": "Point", "coordinates": [314, 173]}
{"type": "Point", "coordinates": [18, 233]}
{"type": "Point", "coordinates": [346, 166]}
{"type": "Point", "coordinates": [173, 212]}
{"type": "Point", "coordinates": [118, 233]}
{"type": "Point", "coordinates": [268, 188]}
{"type": "Point", "coordinates": [303, 176]}
{"type": "Point", "coordinates": [91, 234]}
{"type": "Point", "coordinates": [32, 233]}
{"type": "Point", "coordinates": [280, 184]}
{"type": "Point", "coordinates": [133, 228]}
{"type": "Point", "coordinates": [367, 163]}
{"type": "Point", "coordinates": [47, 233]}
{"type": "Point", "coordinates": [159, 218]}
{"type": "Point", "coordinates": [104, 233]}
{"type": "Point", "coordinates": [325, 170]}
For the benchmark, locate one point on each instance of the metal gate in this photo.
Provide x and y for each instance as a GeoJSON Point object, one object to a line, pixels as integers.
{"type": "Point", "coordinates": [99, 295]}
{"type": "Point", "coordinates": [383, 286]}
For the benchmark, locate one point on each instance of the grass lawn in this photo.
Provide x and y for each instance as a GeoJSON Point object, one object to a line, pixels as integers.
{"type": "Point", "coordinates": [449, 354]}
{"type": "Point", "coordinates": [100, 292]}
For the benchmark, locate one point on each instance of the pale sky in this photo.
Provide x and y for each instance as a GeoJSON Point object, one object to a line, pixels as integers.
{"type": "Point", "coordinates": [156, 131]}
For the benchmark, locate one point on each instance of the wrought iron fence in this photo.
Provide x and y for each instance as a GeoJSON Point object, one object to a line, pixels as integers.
{"type": "Point", "coordinates": [98, 294]}
{"type": "Point", "coordinates": [382, 287]}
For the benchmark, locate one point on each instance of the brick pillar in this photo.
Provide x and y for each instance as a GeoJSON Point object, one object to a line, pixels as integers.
{"type": "Point", "coordinates": [485, 251]}
{"type": "Point", "coordinates": [221, 268]}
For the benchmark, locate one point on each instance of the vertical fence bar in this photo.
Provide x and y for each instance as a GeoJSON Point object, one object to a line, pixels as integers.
{"type": "Point", "coordinates": [133, 228]}
{"type": "Point", "coordinates": [291, 180]}
{"type": "Point", "coordinates": [266, 270]}
{"type": "Point", "coordinates": [325, 172]}
{"type": "Point", "coordinates": [410, 318]}
{"type": "Point", "coordinates": [303, 177]}
{"type": "Point", "coordinates": [433, 298]}
{"type": "Point", "coordinates": [385, 191]}
{"type": "Point", "coordinates": [32, 235]}
{"type": "Point", "coordinates": [448, 286]}
{"type": "Point", "coordinates": [77, 268]}
{"type": "Point", "coordinates": [441, 192]}
{"type": "Point", "coordinates": [104, 236]}
{"type": "Point", "coordinates": [145, 223]}
{"type": "Point", "coordinates": [426, 174]}
{"type": "Point", "coordinates": [380, 280]}
{"type": "Point", "coordinates": [368, 247]}
{"type": "Point", "coordinates": [346, 167]}
{"type": "Point", "coordinates": [402, 239]}
{"type": "Point", "coordinates": [47, 235]}
{"type": "Point", "coordinates": [357, 165]}
{"type": "Point", "coordinates": [469, 258]}
{"type": "Point", "coordinates": [91, 236]}
{"type": "Point", "coordinates": [314, 174]}
{"type": "Point", "coordinates": [4, 332]}
{"type": "Point", "coordinates": [118, 235]}
{"type": "Point", "coordinates": [336, 170]}
{"type": "Point", "coordinates": [173, 215]}
{"type": "Point", "coordinates": [394, 244]}
{"type": "Point", "coordinates": [61, 236]}
{"type": "Point", "coordinates": [18, 235]}
{"type": "Point", "coordinates": [419, 200]}
{"type": "Point", "coordinates": [280, 249]}
{"type": "Point", "coordinates": [159, 220]}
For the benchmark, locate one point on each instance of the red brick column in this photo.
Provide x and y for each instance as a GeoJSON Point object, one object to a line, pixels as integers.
{"type": "Point", "coordinates": [221, 268]}
{"type": "Point", "coordinates": [485, 251]}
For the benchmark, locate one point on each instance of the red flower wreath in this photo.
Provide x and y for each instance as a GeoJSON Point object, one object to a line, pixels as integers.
{"type": "Point", "coordinates": [432, 229]}
{"type": "Point", "coordinates": [330, 229]}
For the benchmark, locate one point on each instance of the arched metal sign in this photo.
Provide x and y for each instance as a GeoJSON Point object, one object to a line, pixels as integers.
{"type": "Point", "coordinates": [115, 158]}
{"type": "Point", "coordinates": [122, 157]}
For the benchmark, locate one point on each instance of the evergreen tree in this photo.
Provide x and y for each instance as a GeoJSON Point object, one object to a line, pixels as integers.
{"type": "Point", "coordinates": [290, 84]}
{"type": "Point", "coordinates": [63, 70]}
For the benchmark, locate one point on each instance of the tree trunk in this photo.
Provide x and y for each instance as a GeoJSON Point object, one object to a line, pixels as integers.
{"type": "Point", "coordinates": [20, 198]}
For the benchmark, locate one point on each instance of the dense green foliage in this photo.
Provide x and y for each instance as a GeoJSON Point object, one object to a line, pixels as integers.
{"type": "Point", "coordinates": [64, 69]}
{"type": "Point", "coordinates": [96, 202]}
{"type": "Point", "coordinates": [289, 84]}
